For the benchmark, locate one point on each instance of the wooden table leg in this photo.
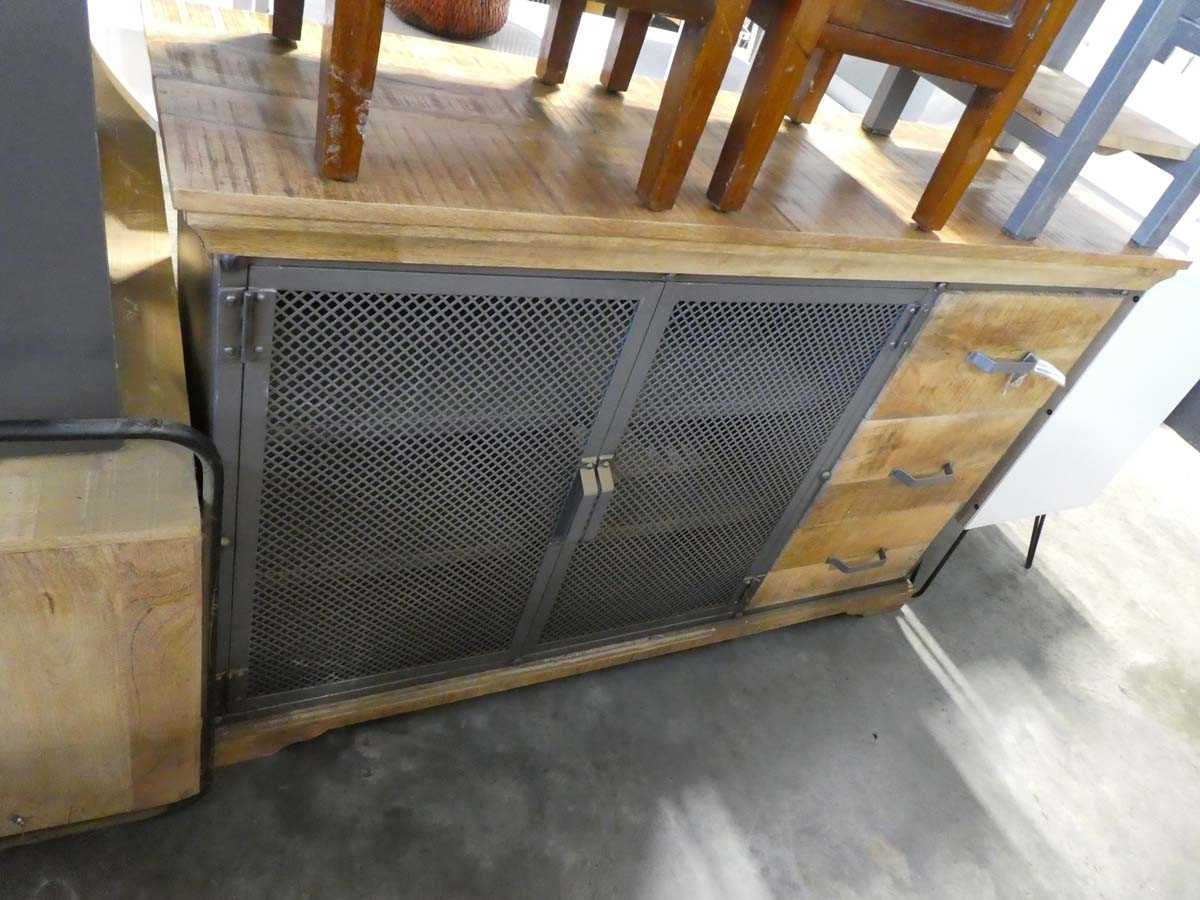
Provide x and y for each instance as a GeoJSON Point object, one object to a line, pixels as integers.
{"type": "Point", "coordinates": [701, 58]}
{"type": "Point", "coordinates": [823, 64]}
{"type": "Point", "coordinates": [773, 81]}
{"type": "Point", "coordinates": [349, 55]}
{"type": "Point", "coordinates": [287, 20]}
{"type": "Point", "coordinates": [624, 47]}
{"type": "Point", "coordinates": [557, 40]}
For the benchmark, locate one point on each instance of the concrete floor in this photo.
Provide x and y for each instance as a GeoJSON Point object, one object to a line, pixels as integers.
{"type": "Point", "coordinates": [1009, 734]}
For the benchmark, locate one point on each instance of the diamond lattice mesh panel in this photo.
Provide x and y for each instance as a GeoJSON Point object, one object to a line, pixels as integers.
{"type": "Point", "coordinates": [737, 405]}
{"type": "Point", "coordinates": [418, 451]}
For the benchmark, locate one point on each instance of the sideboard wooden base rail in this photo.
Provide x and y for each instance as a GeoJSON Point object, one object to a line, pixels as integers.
{"type": "Point", "coordinates": [256, 738]}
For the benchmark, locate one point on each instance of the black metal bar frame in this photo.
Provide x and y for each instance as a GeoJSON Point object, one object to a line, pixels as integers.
{"type": "Point", "coordinates": [942, 562]}
{"type": "Point", "coordinates": [36, 431]}
{"type": "Point", "coordinates": [1039, 522]}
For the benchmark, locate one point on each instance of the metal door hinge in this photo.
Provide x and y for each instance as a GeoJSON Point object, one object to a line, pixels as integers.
{"type": "Point", "coordinates": [232, 685]}
{"type": "Point", "coordinates": [904, 330]}
{"type": "Point", "coordinates": [245, 319]}
{"type": "Point", "coordinates": [750, 586]}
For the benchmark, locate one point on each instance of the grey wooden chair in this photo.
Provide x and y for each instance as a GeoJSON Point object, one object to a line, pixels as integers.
{"type": "Point", "coordinates": [1156, 29]}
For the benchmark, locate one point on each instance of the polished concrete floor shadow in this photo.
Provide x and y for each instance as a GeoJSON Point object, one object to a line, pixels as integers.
{"type": "Point", "coordinates": [1009, 734]}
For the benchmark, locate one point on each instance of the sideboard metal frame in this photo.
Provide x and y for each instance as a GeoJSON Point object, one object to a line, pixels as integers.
{"type": "Point", "coordinates": [209, 324]}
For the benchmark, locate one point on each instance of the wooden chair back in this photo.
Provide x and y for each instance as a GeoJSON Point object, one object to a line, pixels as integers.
{"type": "Point", "coordinates": [995, 45]}
{"type": "Point", "coordinates": [988, 32]}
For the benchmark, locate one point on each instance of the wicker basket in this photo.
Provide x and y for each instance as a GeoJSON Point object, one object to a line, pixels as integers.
{"type": "Point", "coordinates": [462, 20]}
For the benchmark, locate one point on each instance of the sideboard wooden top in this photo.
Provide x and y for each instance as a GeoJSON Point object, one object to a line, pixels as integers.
{"type": "Point", "coordinates": [470, 161]}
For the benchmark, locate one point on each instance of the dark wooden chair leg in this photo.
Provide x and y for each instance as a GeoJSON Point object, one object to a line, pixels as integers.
{"type": "Point", "coordinates": [980, 127]}
{"type": "Point", "coordinates": [624, 46]}
{"type": "Point", "coordinates": [817, 77]}
{"type": "Point", "coordinates": [558, 39]}
{"type": "Point", "coordinates": [981, 123]}
{"type": "Point", "coordinates": [773, 81]}
{"type": "Point", "coordinates": [349, 55]}
{"type": "Point", "coordinates": [701, 57]}
{"type": "Point", "coordinates": [287, 20]}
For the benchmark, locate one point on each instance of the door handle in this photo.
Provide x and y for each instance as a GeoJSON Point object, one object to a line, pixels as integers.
{"type": "Point", "coordinates": [945, 475]}
{"type": "Point", "coordinates": [606, 483]}
{"type": "Point", "coordinates": [580, 500]}
{"type": "Point", "coordinates": [1018, 370]}
{"type": "Point", "coordinates": [591, 494]}
{"type": "Point", "coordinates": [851, 568]}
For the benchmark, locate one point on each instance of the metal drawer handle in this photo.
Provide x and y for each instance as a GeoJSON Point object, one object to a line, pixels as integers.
{"type": "Point", "coordinates": [945, 475]}
{"type": "Point", "coordinates": [849, 569]}
{"type": "Point", "coordinates": [1017, 370]}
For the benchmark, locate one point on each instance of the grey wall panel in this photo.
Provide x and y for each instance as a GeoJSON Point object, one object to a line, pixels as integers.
{"type": "Point", "coordinates": [57, 351]}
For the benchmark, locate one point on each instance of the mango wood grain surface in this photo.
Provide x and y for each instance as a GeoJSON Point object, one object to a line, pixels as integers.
{"type": "Point", "coordinates": [786, 585]}
{"type": "Point", "coordinates": [864, 499]}
{"type": "Point", "coordinates": [470, 161]}
{"type": "Point", "coordinates": [936, 379]}
{"type": "Point", "coordinates": [252, 739]}
{"type": "Point", "coordinates": [99, 681]}
{"type": "Point", "coordinates": [856, 540]}
{"type": "Point", "coordinates": [969, 440]}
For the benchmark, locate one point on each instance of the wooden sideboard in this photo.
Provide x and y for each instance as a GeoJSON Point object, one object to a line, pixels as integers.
{"type": "Point", "coordinates": [487, 277]}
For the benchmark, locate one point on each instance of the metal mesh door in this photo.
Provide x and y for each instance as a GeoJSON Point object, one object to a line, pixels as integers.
{"type": "Point", "coordinates": [417, 451]}
{"type": "Point", "coordinates": [737, 405]}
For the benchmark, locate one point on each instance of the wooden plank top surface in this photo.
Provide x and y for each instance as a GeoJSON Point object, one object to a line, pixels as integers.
{"type": "Point", "coordinates": [470, 161]}
{"type": "Point", "coordinates": [1053, 97]}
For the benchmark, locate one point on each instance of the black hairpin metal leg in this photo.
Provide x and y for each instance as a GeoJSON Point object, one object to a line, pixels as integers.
{"type": "Point", "coordinates": [941, 562]}
{"type": "Point", "coordinates": [1036, 536]}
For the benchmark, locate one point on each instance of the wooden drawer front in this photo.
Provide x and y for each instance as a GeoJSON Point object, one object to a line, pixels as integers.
{"type": "Point", "coordinates": [924, 444]}
{"type": "Point", "coordinates": [799, 582]}
{"type": "Point", "coordinates": [856, 540]}
{"type": "Point", "coordinates": [868, 499]}
{"type": "Point", "coordinates": [936, 379]}
{"type": "Point", "coordinates": [864, 509]}
{"type": "Point", "coordinates": [804, 570]}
